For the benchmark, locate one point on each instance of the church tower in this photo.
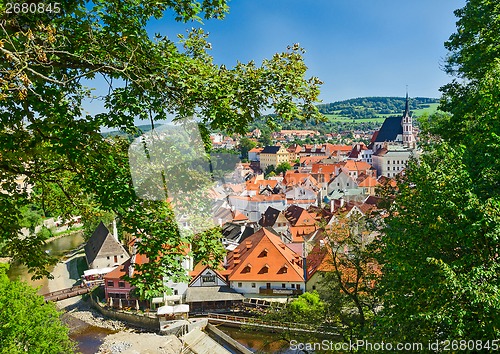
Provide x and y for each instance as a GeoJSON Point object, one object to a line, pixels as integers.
{"type": "Point", "coordinates": [406, 122]}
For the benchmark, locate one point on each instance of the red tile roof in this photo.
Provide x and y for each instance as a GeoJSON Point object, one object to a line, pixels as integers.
{"type": "Point", "coordinates": [264, 257]}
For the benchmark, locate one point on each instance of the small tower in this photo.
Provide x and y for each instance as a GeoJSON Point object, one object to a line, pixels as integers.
{"type": "Point", "coordinates": [406, 122]}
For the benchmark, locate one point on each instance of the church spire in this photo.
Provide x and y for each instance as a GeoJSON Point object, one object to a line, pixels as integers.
{"type": "Point", "coordinates": [407, 105]}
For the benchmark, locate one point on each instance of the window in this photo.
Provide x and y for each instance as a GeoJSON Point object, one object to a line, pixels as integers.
{"type": "Point", "coordinates": [121, 284]}
{"type": "Point", "coordinates": [388, 162]}
{"type": "Point", "coordinates": [121, 256]}
{"type": "Point", "coordinates": [111, 283]}
{"type": "Point", "coordinates": [239, 285]}
{"type": "Point", "coordinates": [298, 286]}
{"type": "Point", "coordinates": [253, 285]}
{"type": "Point", "coordinates": [314, 287]}
{"type": "Point", "coordinates": [283, 285]}
{"type": "Point", "coordinates": [107, 257]}
{"type": "Point", "coordinates": [293, 286]}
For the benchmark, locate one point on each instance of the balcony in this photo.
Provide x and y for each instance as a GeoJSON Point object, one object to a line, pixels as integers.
{"type": "Point", "coordinates": [279, 291]}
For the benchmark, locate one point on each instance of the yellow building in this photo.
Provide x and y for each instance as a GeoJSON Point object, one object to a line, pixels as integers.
{"type": "Point", "coordinates": [273, 155]}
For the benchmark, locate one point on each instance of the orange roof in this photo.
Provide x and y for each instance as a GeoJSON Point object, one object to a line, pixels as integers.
{"type": "Point", "coordinates": [200, 268]}
{"type": "Point", "coordinates": [258, 150]}
{"type": "Point", "coordinates": [299, 231]}
{"type": "Point", "coordinates": [264, 257]}
{"type": "Point", "coordinates": [357, 165]}
{"type": "Point", "coordinates": [292, 178]}
{"type": "Point", "coordinates": [324, 168]}
{"type": "Point", "coordinates": [333, 147]}
{"type": "Point", "coordinates": [120, 271]}
{"type": "Point", "coordinates": [308, 160]}
{"type": "Point", "coordinates": [260, 198]}
{"type": "Point", "coordinates": [239, 216]}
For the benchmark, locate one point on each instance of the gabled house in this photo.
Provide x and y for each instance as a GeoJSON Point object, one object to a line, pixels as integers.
{"type": "Point", "coordinates": [301, 221]}
{"type": "Point", "coordinates": [343, 184]}
{"type": "Point", "coordinates": [103, 250]}
{"type": "Point", "coordinates": [301, 196]}
{"type": "Point", "coordinates": [254, 206]}
{"type": "Point", "coordinates": [209, 290]}
{"type": "Point", "coordinates": [264, 265]}
{"type": "Point", "coordinates": [276, 220]}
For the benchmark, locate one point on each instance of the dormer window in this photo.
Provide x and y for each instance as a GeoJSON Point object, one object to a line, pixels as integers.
{"type": "Point", "coordinates": [264, 269]}
{"type": "Point", "coordinates": [247, 269]}
{"type": "Point", "coordinates": [263, 253]}
{"type": "Point", "coordinates": [283, 270]}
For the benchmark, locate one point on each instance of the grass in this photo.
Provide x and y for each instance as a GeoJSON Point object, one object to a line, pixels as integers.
{"type": "Point", "coordinates": [429, 110]}
{"type": "Point", "coordinates": [69, 231]}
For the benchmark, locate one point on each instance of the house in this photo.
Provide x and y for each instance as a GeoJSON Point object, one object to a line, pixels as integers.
{"type": "Point", "coordinates": [368, 184]}
{"type": "Point", "coordinates": [103, 250]}
{"type": "Point", "coordinates": [356, 168]}
{"type": "Point", "coordinates": [301, 196]}
{"type": "Point", "coordinates": [117, 288]}
{"type": "Point", "coordinates": [234, 233]}
{"type": "Point", "coordinates": [390, 160]}
{"type": "Point", "coordinates": [254, 154]}
{"type": "Point", "coordinates": [276, 220]}
{"type": "Point", "coordinates": [254, 206]}
{"type": "Point", "coordinates": [360, 152]}
{"type": "Point", "coordinates": [343, 183]}
{"type": "Point", "coordinates": [273, 155]}
{"type": "Point", "coordinates": [209, 290]}
{"type": "Point", "coordinates": [301, 222]}
{"type": "Point", "coordinates": [264, 265]}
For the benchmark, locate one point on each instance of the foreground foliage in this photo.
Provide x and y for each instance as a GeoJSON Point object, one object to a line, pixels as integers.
{"type": "Point", "coordinates": [441, 245]}
{"type": "Point", "coordinates": [27, 324]}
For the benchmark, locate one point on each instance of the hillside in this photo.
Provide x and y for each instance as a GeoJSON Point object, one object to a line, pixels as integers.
{"type": "Point", "coordinates": [375, 107]}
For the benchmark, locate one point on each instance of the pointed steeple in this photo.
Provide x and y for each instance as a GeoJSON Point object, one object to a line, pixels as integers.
{"type": "Point", "coordinates": [407, 105]}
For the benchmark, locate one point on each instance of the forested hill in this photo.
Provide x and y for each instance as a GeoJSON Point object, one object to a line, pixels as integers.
{"type": "Point", "coordinates": [373, 107]}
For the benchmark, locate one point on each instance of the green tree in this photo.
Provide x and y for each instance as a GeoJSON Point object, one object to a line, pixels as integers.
{"type": "Point", "coordinates": [440, 249]}
{"type": "Point", "coordinates": [47, 60]}
{"type": "Point", "coordinates": [27, 323]}
{"type": "Point", "coordinates": [245, 146]}
{"type": "Point", "coordinates": [269, 169]}
{"type": "Point", "coordinates": [282, 167]}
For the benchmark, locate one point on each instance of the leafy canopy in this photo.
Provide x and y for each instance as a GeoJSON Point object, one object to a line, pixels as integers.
{"type": "Point", "coordinates": [46, 61]}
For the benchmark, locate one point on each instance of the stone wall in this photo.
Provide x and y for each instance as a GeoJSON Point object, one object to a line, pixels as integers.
{"type": "Point", "coordinates": [147, 322]}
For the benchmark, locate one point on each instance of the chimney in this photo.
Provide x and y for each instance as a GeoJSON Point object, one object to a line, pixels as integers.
{"type": "Point", "coordinates": [332, 205]}
{"type": "Point", "coordinates": [115, 231]}
{"type": "Point", "coordinates": [342, 202]}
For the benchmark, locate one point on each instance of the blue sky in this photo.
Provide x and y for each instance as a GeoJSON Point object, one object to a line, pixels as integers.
{"type": "Point", "coordinates": [356, 47]}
